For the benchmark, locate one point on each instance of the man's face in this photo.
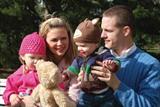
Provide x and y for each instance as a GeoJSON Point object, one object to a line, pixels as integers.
{"type": "Point", "coordinates": [111, 34]}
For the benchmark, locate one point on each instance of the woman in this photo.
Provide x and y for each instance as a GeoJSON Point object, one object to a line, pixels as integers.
{"type": "Point", "coordinates": [60, 48]}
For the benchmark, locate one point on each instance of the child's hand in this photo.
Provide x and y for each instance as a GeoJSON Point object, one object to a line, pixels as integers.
{"type": "Point", "coordinates": [80, 76]}
{"type": "Point", "coordinates": [29, 102]}
{"type": "Point", "coordinates": [15, 100]}
{"type": "Point", "coordinates": [65, 77]}
{"type": "Point", "coordinates": [111, 65]}
{"type": "Point", "coordinates": [107, 63]}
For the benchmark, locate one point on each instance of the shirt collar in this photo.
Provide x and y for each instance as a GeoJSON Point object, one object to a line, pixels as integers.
{"type": "Point", "coordinates": [125, 53]}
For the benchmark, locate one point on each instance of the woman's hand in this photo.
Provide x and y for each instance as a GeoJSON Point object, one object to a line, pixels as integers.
{"type": "Point", "coordinates": [106, 75]}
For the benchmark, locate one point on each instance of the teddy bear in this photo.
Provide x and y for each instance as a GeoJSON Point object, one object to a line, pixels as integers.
{"type": "Point", "coordinates": [47, 92]}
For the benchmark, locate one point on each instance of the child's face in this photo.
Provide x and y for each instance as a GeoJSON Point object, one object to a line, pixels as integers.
{"type": "Point", "coordinates": [85, 49]}
{"type": "Point", "coordinates": [30, 60]}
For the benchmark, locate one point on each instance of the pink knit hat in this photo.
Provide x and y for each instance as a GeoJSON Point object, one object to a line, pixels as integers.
{"type": "Point", "coordinates": [33, 44]}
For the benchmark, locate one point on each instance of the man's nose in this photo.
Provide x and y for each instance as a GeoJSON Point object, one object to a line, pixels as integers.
{"type": "Point", "coordinates": [103, 35]}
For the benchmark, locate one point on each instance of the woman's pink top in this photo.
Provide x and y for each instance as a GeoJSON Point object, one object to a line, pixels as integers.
{"type": "Point", "coordinates": [20, 83]}
{"type": "Point", "coordinates": [63, 66]}
{"type": "Point", "coordinates": [71, 86]}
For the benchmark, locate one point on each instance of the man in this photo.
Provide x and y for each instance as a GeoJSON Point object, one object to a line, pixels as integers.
{"type": "Point", "coordinates": [137, 83]}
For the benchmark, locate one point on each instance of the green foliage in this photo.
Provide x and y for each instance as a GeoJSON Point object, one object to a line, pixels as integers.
{"type": "Point", "coordinates": [21, 17]}
{"type": "Point", "coordinates": [147, 20]}
{"type": "Point", "coordinates": [18, 18]}
{"type": "Point", "coordinates": [148, 28]}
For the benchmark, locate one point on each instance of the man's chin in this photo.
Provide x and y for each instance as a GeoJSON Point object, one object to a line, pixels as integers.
{"type": "Point", "coordinates": [109, 47]}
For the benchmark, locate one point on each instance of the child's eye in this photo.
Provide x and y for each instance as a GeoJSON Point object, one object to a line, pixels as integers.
{"type": "Point", "coordinates": [82, 46]}
{"type": "Point", "coordinates": [40, 58]}
{"type": "Point", "coordinates": [32, 57]}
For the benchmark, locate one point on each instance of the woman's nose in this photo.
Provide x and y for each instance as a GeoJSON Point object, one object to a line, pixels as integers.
{"type": "Point", "coordinates": [59, 42]}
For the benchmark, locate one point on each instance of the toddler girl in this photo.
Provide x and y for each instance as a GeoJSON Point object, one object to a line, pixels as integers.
{"type": "Point", "coordinates": [25, 79]}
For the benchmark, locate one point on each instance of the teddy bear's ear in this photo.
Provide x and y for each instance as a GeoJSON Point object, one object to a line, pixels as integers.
{"type": "Point", "coordinates": [95, 21]}
{"type": "Point", "coordinates": [85, 19]}
{"type": "Point", "coordinates": [39, 62]}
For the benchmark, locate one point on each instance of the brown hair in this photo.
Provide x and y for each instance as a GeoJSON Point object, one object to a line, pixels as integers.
{"type": "Point", "coordinates": [123, 14]}
{"type": "Point", "coordinates": [54, 23]}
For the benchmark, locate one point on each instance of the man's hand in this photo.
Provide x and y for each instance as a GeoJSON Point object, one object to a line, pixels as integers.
{"type": "Point", "coordinates": [104, 74]}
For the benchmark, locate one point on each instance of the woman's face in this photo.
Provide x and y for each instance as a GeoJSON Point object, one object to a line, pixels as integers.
{"type": "Point", "coordinates": [58, 41]}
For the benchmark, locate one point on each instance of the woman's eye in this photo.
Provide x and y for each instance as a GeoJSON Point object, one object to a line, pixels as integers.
{"type": "Point", "coordinates": [54, 40]}
{"type": "Point", "coordinates": [64, 38]}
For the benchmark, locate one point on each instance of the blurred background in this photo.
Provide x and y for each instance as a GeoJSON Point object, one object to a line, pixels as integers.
{"type": "Point", "coordinates": [21, 17]}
